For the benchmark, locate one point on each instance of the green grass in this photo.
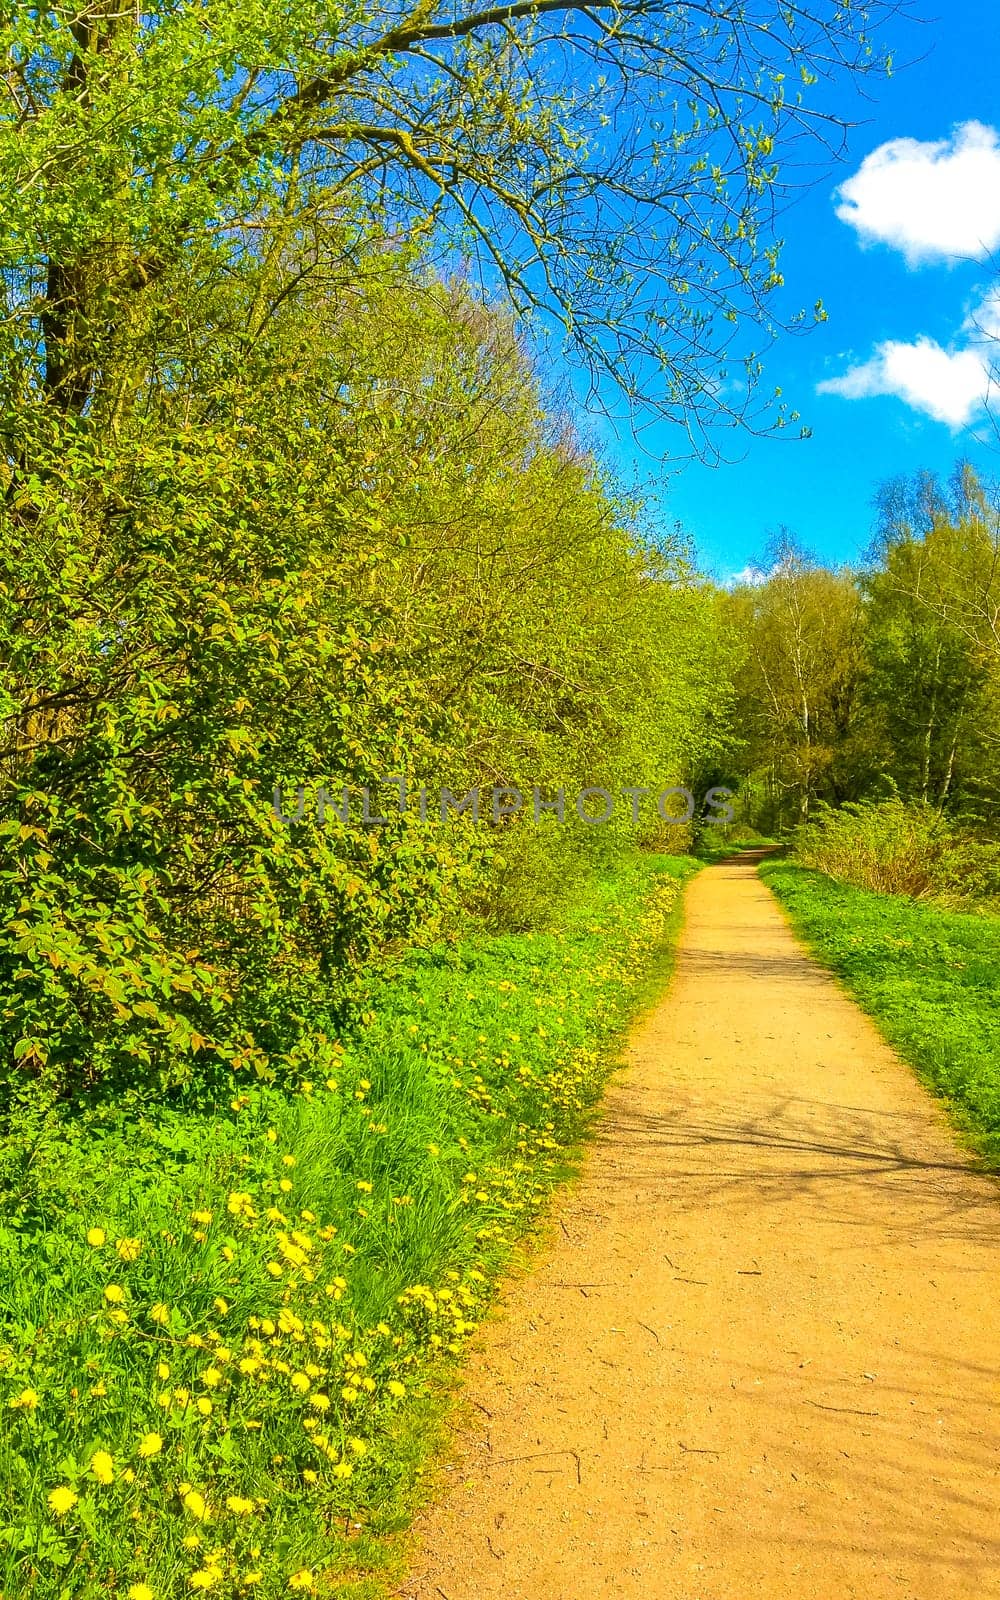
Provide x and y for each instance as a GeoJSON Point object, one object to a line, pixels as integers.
{"type": "Point", "coordinates": [930, 978]}
{"type": "Point", "coordinates": [280, 1285]}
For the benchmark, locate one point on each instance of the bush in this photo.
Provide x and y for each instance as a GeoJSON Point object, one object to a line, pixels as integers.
{"type": "Point", "coordinates": [900, 847]}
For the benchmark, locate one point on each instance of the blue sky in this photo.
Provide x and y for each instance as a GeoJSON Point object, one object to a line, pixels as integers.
{"type": "Point", "coordinates": [898, 293]}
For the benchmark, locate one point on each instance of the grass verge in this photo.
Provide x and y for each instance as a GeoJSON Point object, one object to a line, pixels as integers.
{"type": "Point", "coordinates": [928, 977]}
{"type": "Point", "coordinates": [224, 1330]}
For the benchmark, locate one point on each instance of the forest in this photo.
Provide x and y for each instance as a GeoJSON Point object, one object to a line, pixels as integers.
{"type": "Point", "coordinates": [299, 499]}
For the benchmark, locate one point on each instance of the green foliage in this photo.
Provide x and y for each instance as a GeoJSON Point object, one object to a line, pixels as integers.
{"type": "Point", "coordinates": [144, 152]}
{"type": "Point", "coordinates": [899, 847]}
{"type": "Point", "coordinates": [278, 1288]}
{"type": "Point", "coordinates": [928, 977]}
{"type": "Point", "coordinates": [185, 623]}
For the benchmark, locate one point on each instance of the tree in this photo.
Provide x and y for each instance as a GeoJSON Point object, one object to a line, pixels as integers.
{"type": "Point", "coordinates": [933, 608]}
{"type": "Point", "coordinates": [798, 684]}
{"type": "Point", "coordinates": [612, 163]}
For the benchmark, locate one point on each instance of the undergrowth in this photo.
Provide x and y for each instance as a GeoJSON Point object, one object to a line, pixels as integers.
{"type": "Point", "coordinates": [220, 1327]}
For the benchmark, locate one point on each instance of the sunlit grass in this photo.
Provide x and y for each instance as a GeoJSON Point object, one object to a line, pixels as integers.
{"type": "Point", "coordinates": [220, 1329]}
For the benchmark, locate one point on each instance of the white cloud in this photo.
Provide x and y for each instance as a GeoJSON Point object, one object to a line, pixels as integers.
{"type": "Point", "coordinates": [752, 576]}
{"type": "Point", "coordinates": [936, 201]}
{"type": "Point", "coordinates": [949, 386]}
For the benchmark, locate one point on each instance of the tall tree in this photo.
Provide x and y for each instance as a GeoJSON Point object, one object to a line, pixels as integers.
{"type": "Point", "coordinates": [612, 163]}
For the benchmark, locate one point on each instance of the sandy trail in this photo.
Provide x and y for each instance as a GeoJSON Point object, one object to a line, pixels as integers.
{"type": "Point", "coordinates": [760, 1355]}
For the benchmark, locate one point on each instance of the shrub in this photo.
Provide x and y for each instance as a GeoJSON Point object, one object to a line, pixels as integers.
{"type": "Point", "coordinates": [900, 847]}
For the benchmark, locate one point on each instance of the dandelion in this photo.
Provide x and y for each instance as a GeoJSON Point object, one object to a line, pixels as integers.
{"type": "Point", "coordinates": [396, 1389]}
{"type": "Point", "coordinates": [221, 1306]}
{"type": "Point", "coordinates": [285, 1185]}
{"type": "Point", "coordinates": [202, 1218]}
{"type": "Point", "coordinates": [195, 1504]}
{"type": "Point", "coordinates": [140, 1591]}
{"type": "Point", "coordinates": [364, 1186]}
{"type": "Point", "coordinates": [62, 1500]}
{"type": "Point", "coordinates": [204, 1406]}
{"type": "Point", "coordinates": [274, 1268]}
{"type": "Point", "coordinates": [102, 1467]}
{"type": "Point", "coordinates": [96, 1237]}
{"type": "Point", "coordinates": [162, 1371]}
{"type": "Point", "coordinates": [211, 1377]}
{"type": "Point", "coordinates": [114, 1294]}
{"type": "Point", "coordinates": [343, 1469]}
{"type": "Point", "coordinates": [288, 1161]}
{"type": "Point", "coordinates": [303, 1579]}
{"type": "Point", "coordinates": [205, 1578]}
{"type": "Point", "coordinates": [128, 1249]}
{"type": "Point", "coordinates": [228, 1253]}
{"type": "Point", "coordinates": [300, 1383]}
{"type": "Point", "coordinates": [27, 1400]}
{"type": "Point", "coordinates": [238, 1505]}
{"type": "Point", "coordinates": [150, 1445]}
{"type": "Point", "coordinates": [159, 1313]}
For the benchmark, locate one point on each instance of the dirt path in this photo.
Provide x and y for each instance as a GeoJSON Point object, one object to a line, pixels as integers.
{"type": "Point", "coordinates": [760, 1357]}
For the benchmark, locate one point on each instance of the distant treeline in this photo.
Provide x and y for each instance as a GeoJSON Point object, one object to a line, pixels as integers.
{"type": "Point", "coordinates": [882, 683]}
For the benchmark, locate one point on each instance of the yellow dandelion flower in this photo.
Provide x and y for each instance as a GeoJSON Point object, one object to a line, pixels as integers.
{"type": "Point", "coordinates": [303, 1579]}
{"type": "Point", "coordinates": [343, 1469]}
{"type": "Point", "coordinates": [221, 1306]}
{"type": "Point", "coordinates": [140, 1591]}
{"type": "Point", "coordinates": [128, 1249]}
{"type": "Point", "coordinates": [202, 1218]}
{"type": "Point", "coordinates": [114, 1294]}
{"type": "Point", "coordinates": [159, 1313]}
{"type": "Point", "coordinates": [204, 1406]}
{"type": "Point", "coordinates": [195, 1504]}
{"type": "Point", "coordinates": [27, 1400]}
{"type": "Point", "coordinates": [238, 1505]}
{"type": "Point", "coordinates": [102, 1467]}
{"type": "Point", "coordinates": [300, 1383]}
{"type": "Point", "coordinates": [288, 1161]}
{"type": "Point", "coordinates": [205, 1578]}
{"type": "Point", "coordinates": [228, 1253]}
{"type": "Point", "coordinates": [162, 1370]}
{"type": "Point", "coordinates": [274, 1268]}
{"type": "Point", "coordinates": [396, 1389]}
{"type": "Point", "coordinates": [211, 1377]}
{"type": "Point", "coordinates": [96, 1237]}
{"type": "Point", "coordinates": [150, 1445]}
{"type": "Point", "coordinates": [285, 1185]}
{"type": "Point", "coordinates": [62, 1500]}
{"type": "Point", "coordinates": [309, 1475]}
